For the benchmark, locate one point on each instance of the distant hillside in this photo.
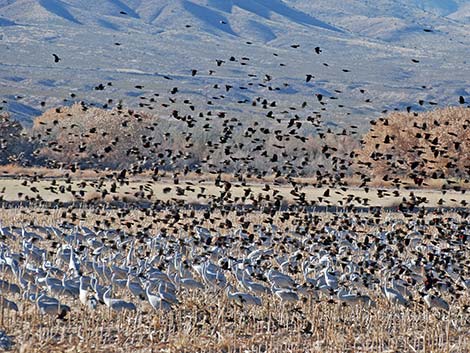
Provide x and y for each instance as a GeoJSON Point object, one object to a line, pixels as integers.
{"type": "Point", "coordinates": [398, 52]}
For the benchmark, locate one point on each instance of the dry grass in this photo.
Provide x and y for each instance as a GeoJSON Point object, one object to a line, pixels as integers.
{"type": "Point", "coordinates": [202, 191]}
{"type": "Point", "coordinates": [207, 322]}
{"type": "Point", "coordinates": [12, 171]}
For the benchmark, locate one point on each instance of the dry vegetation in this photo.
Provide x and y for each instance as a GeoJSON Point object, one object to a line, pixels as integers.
{"type": "Point", "coordinates": [419, 147]}
{"type": "Point", "coordinates": [90, 137]}
{"type": "Point", "coordinates": [204, 192]}
{"type": "Point", "coordinates": [205, 321]}
{"type": "Point", "coordinates": [430, 150]}
{"type": "Point", "coordinates": [14, 145]}
{"type": "Point", "coordinates": [223, 162]}
{"type": "Point", "coordinates": [432, 145]}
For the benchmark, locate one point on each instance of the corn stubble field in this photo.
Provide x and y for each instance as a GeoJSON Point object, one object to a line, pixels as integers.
{"type": "Point", "coordinates": [279, 259]}
{"type": "Point", "coordinates": [186, 230]}
{"type": "Point", "coordinates": [322, 256]}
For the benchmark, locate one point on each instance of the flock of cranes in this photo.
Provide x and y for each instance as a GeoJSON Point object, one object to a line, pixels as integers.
{"type": "Point", "coordinates": [61, 269]}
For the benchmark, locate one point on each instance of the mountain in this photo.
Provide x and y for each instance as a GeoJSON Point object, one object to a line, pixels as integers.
{"type": "Point", "coordinates": [399, 52]}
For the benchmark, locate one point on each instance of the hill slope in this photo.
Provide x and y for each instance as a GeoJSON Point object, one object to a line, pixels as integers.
{"type": "Point", "coordinates": [139, 42]}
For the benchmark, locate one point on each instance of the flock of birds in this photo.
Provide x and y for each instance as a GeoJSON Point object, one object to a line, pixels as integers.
{"type": "Point", "coordinates": [278, 124]}
{"type": "Point", "coordinates": [411, 261]}
{"type": "Point", "coordinates": [404, 263]}
{"type": "Point", "coordinates": [291, 142]}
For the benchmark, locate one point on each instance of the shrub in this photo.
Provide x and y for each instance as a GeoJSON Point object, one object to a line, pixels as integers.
{"type": "Point", "coordinates": [435, 145]}
{"type": "Point", "coordinates": [15, 148]}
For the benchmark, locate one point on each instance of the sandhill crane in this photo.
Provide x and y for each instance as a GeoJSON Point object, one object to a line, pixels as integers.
{"type": "Point", "coordinates": [118, 282]}
{"type": "Point", "coordinates": [279, 279]}
{"type": "Point", "coordinates": [255, 287]}
{"type": "Point", "coordinates": [187, 282]}
{"type": "Point", "coordinates": [98, 289]}
{"type": "Point", "coordinates": [117, 304]}
{"type": "Point", "coordinates": [212, 274]}
{"type": "Point", "coordinates": [135, 288]}
{"type": "Point", "coordinates": [399, 286]}
{"type": "Point", "coordinates": [8, 304]}
{"type": "Point", "coordinates": [156, 301]}
{"type": "Point", "coordinates": [84, 296]}
{"type": "Point", "coordinates": [6, 342]}
{"type": "Point", "coordinates": [71, 287]}
{"type": "Point", "coordinates": [354, 299]}
{"type": "Point", "coordinates": [7, 287]}
{"type": "Point", "coordinates": [51, 306]}
{"type": "Point", "coordinates": [249, 284]}
{"type": "Point", "coordinates": [305, 272]}
{"type": "Point", "coordinates": [394, 296]}
{"type": "Point", "coordinates": [74, 265]}
{"type": "Point", "coordinates": [330, 279]}
{"type": "Point", "coordinates": [166, 295]}
{"type": "Point", "coordinates": [433, 301]}
{"type": "Point", "coordinates": [242, 299]}
{"type": "Point", "coordinates": [54, 286]}
{"type": "Point", "coordinates": [466, 283]}
{"type": "Point", "coordinates": [23, 281]}
{"type": "Point", "coordinates": [286, 295]}
{"type": "Point", "coordinates": [348, 297]}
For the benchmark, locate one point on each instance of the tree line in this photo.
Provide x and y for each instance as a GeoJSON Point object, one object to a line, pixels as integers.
{"type": "Point", "coordinates": [435, 144]}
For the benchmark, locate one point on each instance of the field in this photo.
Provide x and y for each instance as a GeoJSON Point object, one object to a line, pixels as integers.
{"type": "Point", "coordinates": [341, 269]}
{"type": "Point", "coordinates": [201, 191]}
{"type": "Point", "coordinates": [249, 176]}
